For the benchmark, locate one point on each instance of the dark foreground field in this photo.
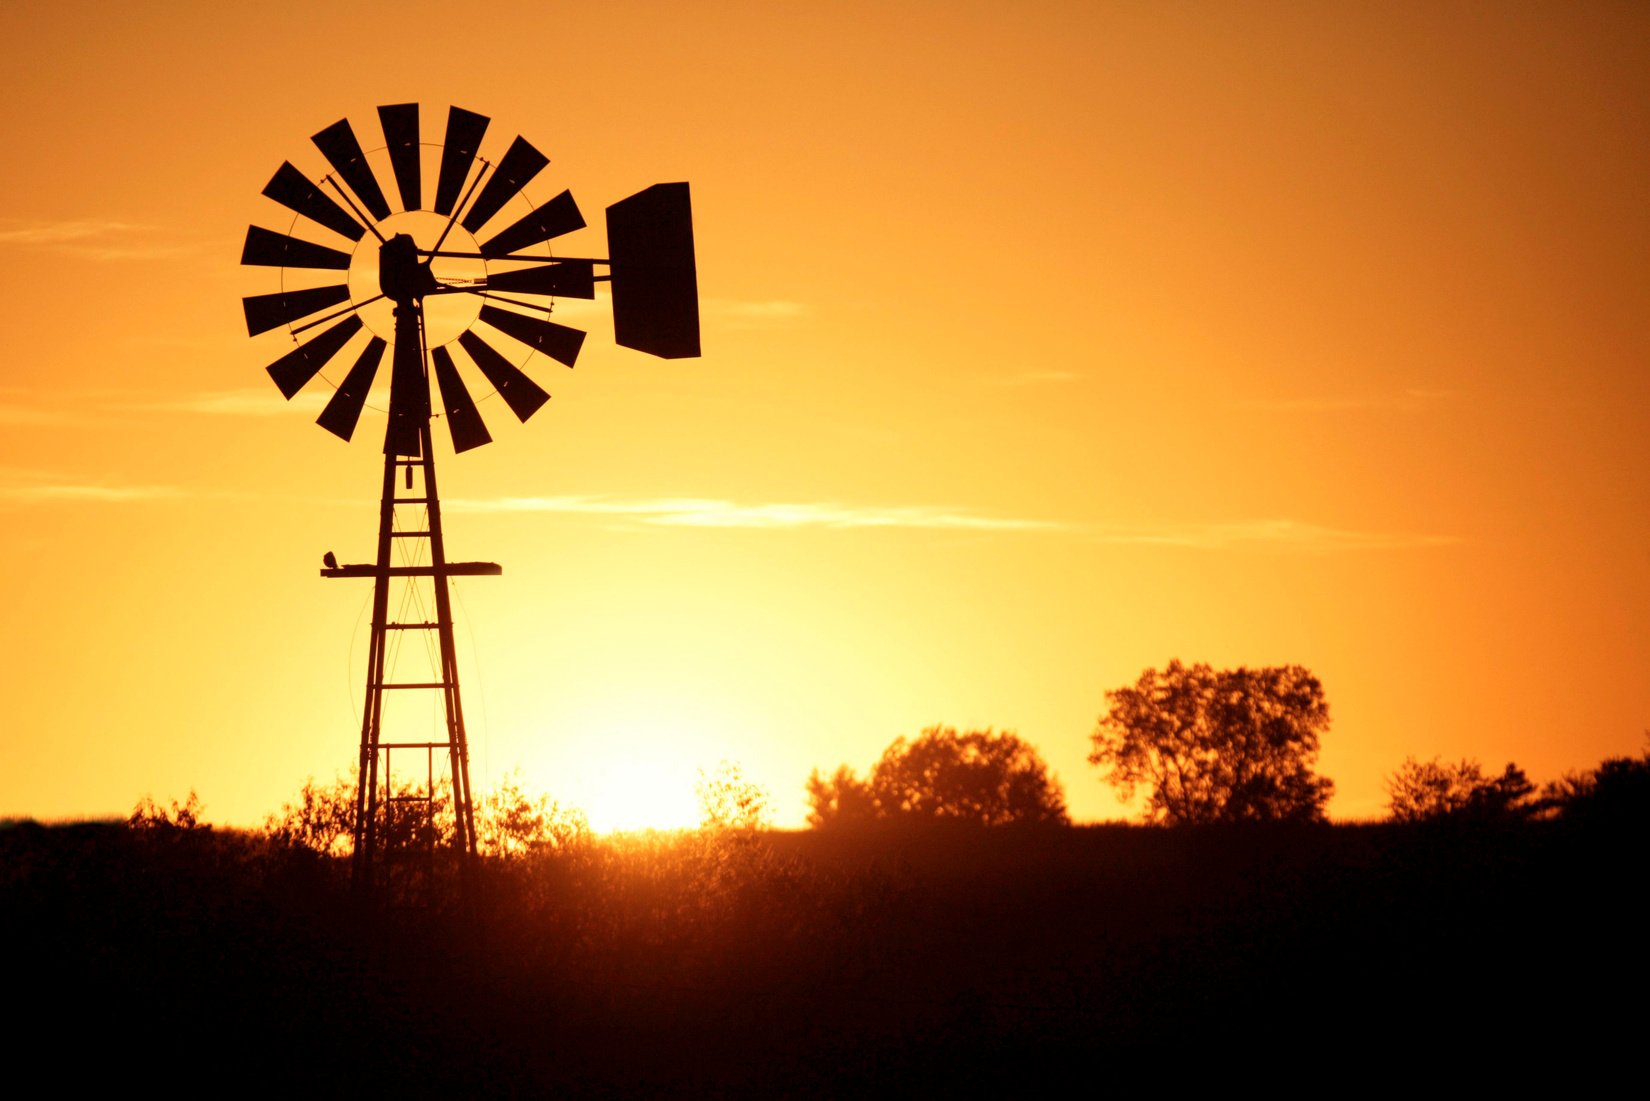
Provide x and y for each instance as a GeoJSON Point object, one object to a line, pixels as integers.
{"type": "Point", "coordinates": [925, 963]}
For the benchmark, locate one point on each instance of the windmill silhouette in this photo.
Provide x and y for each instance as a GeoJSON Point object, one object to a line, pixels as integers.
{"type": "Point", "coordinates": [472, 267]}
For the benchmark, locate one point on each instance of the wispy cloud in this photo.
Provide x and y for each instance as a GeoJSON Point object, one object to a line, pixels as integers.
{"type": "Point", "coordinates": [1413, 398]}
{"type": "Point", "coordinates": [259, 402]}
{"type": "Point", "coordinates": [91, 493]}
{"type": "Point", "coordinates": [1031, 378]}
{"type": "Point", "coordinates": [14, 231]}
{"type": "Point", "coordinates": [91, 238]}
{"type": "Point", "coordinates": [739, 314]}
{"type": "Point", "coordinates": [1269, 534]}
{"type": "Point", "coordinates": [711, 512]}
{"type": "Point", "coordinates": [34, 487]}
{"type": "Point", "coordinates": [16, 415]}
{"type": "Point", "coordinates": [182, 339]}
{"type": "Point", "coordinates": [25, 409]}
{"type": "Point", "coordinates": [703, 512]}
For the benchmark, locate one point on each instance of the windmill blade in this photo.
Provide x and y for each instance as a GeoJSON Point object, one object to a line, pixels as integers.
{"type": "Point", "coordinates": [338, 145]}
{"type": "Point", "coordinates": [292, 189]}
{"type": "Point", "coordinates": [556, 217]}
{"type": "Point", "coordinates": [564, 278]}
{"type": "Point", "coordinates": [294, 370]}
{"type": "Point", "coordinates": [558, 342]}
{"type": "Point", "coordinates": [520, 163]}
{"type": "Point", "coordinates": [520, 393]}
{"type": "Point", "coordinates": [464, 133]}
{"type": "Point", "coordinates": [654, 279]}
{"type": "Point", "coordinates": [267, 311]}
{"type": "Point", "coordinates": [269, 249]}
{"type": "Point", "coordinates": [400, 122]}
{"type": "Point", "coordinates": [343, 411]}
{"type": "Point", "coordinates": [463, 420]}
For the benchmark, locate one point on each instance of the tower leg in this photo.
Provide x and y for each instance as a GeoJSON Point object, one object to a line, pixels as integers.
{"type": "Point", "coordinates": [372, 710]}
{"type": "Point", "coordinates": [458, 746]}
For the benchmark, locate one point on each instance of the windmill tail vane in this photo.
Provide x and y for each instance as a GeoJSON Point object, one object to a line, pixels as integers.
{"type": "Point", "coordinates": [461, 288]}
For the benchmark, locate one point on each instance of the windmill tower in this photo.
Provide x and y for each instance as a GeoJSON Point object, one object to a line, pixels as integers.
{"type": "Point", "coordinates": [424, 282]}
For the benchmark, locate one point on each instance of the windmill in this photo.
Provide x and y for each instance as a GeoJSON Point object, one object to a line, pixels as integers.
{"type": "Point", "coordinates": [464, 286]}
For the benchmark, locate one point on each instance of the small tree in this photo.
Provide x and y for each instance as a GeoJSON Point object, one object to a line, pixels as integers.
{"type": "Point", "coordinates": [978, 776]}
{"type": "Point", "coordinates": [729, 801]}
{"type": "Point", "coordinates": [842, 798]}
{"type": "Point", "coordinates": [1217, 746]}
{"type": "Point", "coordinates": [1423, 791]}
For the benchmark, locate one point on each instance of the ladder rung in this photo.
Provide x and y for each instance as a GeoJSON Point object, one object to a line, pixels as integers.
{"type": "Point", "coordinates": [409, 534]}
{"type": "Point", "coordinates": [415, 745]}
{"type": "Point", "coordinates": [411, 626]}
{"type": "Point", "coordinates": [418, 684]}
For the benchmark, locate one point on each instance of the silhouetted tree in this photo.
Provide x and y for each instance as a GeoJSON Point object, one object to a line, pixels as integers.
{"type": "Point", "coordinates": [181, 817]}
{"type": "Point", "coordinates": [1217, 746]}
{"type": "Point", "coordinates": [1614, 795]}
{"type": "Point", "coordinates": [1421, 791]}
{"type": "Point", "coordinates": [729, 801]}
{"type": "Point", "coordinates": [978, 776]}
{"type": "Point", "coordinates": [321, 819]}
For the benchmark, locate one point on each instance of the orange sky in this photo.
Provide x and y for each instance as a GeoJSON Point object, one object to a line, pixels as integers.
{"type": "Point", "coordinates": [1043, 343]}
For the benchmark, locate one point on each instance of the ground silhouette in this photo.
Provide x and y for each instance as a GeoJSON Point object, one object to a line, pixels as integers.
{"type": "Point", "coordinates": [896, 958]}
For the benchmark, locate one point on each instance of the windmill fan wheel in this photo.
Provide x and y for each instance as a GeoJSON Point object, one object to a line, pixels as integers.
{"type": "Point", "coordinates": [464, 274]}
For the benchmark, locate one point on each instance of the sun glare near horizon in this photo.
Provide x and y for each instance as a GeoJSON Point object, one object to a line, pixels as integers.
{"type": "Point", "coordinates": [630, 770]}
{"type": "Point", "coordinates": [622, 796]}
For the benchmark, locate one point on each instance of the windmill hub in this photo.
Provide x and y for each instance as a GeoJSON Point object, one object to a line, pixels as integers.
{"type": "Point", "coordinates": [445, 315]}
{"type": "Point", "coordinates": [401, 276]}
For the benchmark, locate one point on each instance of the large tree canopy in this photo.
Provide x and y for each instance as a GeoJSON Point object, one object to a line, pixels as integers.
{"type": "Point", "coordinates": [979, 776]}
{"type": "Point", "coordinates": [1212, 745]}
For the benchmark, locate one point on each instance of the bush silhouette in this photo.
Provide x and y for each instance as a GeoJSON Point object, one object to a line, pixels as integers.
{"type": "Point", "coordinates": [1421, 791]}
{"type": "Point", "coordinates": [149, 816]}
{"type": "Point", "coordinates": [978, 776]}
{"type": "Point", "coordinates": [321, 819]}
{"type": "Point", "coordinates": [1615, 795]}
{"type": "Point", "coordinates": [511, 824]}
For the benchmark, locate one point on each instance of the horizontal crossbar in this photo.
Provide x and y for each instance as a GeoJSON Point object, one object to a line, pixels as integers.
{"type": "Point", "coordinates": [451, 569]}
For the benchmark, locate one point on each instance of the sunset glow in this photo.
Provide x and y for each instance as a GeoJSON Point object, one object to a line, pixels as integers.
{"type": "Point", "coordinates": [648, 795]}
{"type": "Point", "coordinates": [1042, 346]}
{"type": "Point", "coordinates": [635, 769]}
